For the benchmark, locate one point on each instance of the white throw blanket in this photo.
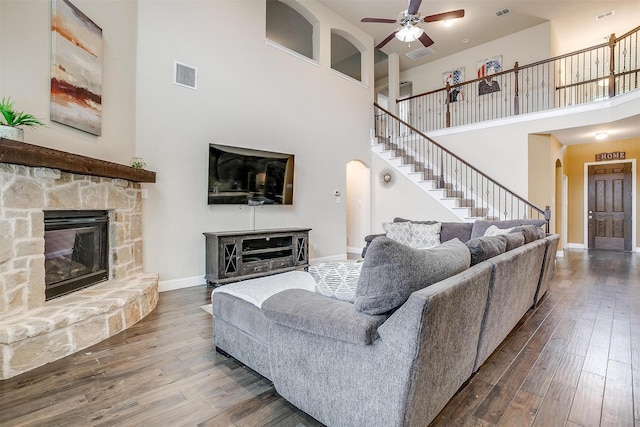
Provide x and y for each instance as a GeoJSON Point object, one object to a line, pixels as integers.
{"type": "Point", "coordinates": [256, 291]}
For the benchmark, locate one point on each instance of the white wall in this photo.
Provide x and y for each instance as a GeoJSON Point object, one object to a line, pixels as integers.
{"type": "Point", "coordinates": [249, 94]}
{"type": "Point", "coordinates": [1, 47]}
{"type": "Point", "coordinates": [536, 39]}
{"type": "Point", "coordinates": [481, 147]}
{"type": "Point", "coordinates": [580, 30]}
{"type": "Point", "coordinates": [402, 198]}
{"type": "Point", "coordinates": [25, 48]}
{"type": "Point", "coordinates": [500, 147]}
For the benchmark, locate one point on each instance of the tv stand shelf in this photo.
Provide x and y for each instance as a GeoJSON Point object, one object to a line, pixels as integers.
{"type": "Point", "coordinates": [239, 255]}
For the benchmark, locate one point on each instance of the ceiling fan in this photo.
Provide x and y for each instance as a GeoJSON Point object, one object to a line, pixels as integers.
{"type": "Point", "coordinates": [409, 19]}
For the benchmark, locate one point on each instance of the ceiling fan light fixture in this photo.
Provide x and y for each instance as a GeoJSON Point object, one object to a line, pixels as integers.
{"type": "Point", "coordinates": [409, 33]}
{"type": "Point", "coordinates": [447, 23]}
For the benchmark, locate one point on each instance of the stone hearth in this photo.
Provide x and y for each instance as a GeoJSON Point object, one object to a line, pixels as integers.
{"type": "Point", "coordinates": [34, 332]}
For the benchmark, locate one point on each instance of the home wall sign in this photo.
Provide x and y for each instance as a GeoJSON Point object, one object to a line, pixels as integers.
{"type": "Point", "coordinates": [616, 155]}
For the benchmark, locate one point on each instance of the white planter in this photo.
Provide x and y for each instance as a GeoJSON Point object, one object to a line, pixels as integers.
{"type": "Point", "coordinates": [11, 132]}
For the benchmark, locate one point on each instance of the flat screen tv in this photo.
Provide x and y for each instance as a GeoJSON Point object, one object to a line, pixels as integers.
{"type": "Point", "coordinates": [241, 176]}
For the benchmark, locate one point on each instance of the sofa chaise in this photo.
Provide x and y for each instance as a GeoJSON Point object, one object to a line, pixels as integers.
{"type": "Point", "coordinates": [361, 363]}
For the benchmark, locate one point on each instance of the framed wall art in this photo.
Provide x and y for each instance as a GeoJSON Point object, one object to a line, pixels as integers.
{"type": "Point", "coordinates": [76, 68]}
{"type": "Point", "coordinates": [486, 69]}
{"type": "Point", "coordinates": [453, 77]}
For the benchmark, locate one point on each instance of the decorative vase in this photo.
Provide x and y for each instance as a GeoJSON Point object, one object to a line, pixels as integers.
{"type": "Point", "coordinates": [11, 132]}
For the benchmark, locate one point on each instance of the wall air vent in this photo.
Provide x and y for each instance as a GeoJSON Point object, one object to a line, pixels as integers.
{"type": "Point", "coordinates": [184, 75]}
{"type": "Point", "coordinates": [504, 11]}
{"type": "Point", "coordinates": [604, 15]}
{"type": "Point", "coordinates": [423, 52]}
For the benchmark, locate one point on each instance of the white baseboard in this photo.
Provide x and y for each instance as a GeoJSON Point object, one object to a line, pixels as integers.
{"type": "Point", "coordinates": [352, 250]}
{"type": "Point", "coordinates": [187, 282]}
{"type": "Point", "coordinates": [575, 246]}
{"type": "Point", "coordinates": [559, 254]}
{"type": "Point", "coordinates": [581, 246]}
{"type": "Point", "coordinates": [328, 259]}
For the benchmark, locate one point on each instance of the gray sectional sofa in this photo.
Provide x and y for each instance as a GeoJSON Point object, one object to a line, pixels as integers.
{"type": "Point", "coordinates": [363, 364]}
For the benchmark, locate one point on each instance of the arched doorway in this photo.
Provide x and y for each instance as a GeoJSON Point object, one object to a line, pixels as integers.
{"type": "Point", "coordinates": [358, 204]}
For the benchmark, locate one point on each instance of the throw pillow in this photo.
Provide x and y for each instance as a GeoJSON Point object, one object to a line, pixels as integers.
{"type": "Point", "coordinates": [495, 231]}
{"type": "Point", "coordinates": [513, 240]}
{"type": "Point", "coordinates": [459, 230]}
{"type": "Point", "coordinates": [337, 280]}
{"type": "Point", "coordinates": [399, 231]}
{"type": "Point", "coordinates": [392, 271]}
{"type": "Point", "coordinates": [483, 248]}
{"type": "Point", "coordinates": [480, 226]}
{"type": "Point", "coordinates": [425, 235]}
{"type": "Point", "coordinates": [530, 232]}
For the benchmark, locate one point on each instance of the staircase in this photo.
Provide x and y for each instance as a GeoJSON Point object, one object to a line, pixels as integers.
{"type": "Point", "coordinates": [461, 188]}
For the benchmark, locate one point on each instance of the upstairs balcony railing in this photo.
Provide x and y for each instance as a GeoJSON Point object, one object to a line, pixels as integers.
{"type": "Point", "coordinates": [484, 197]}
{"type": "Point", "coordinates": [585, 76]}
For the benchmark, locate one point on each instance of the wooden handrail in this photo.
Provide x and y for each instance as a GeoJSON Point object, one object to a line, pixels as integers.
{"type": "Point", "coordinates": [413, 129]}
{"type": "Point", "coordinates": [628, 33]}
{"type": "Point", "coordinates": [637, 70]}
{"type": "Point", "coordinates": [613, 40]}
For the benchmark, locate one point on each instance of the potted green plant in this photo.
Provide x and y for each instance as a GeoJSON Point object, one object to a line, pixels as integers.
{"type": "Point", "coordinates": [12, 120]}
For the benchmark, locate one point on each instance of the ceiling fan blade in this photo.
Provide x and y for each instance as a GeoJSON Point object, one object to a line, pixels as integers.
{"type": "Point", "coordinates": [414, 5]}
{"type": "Point", "coordinates": [387, 40]}
{"type": "Point", "coordinates": [383, 20]}
{"type": "Point", "coordinates": [444, 16]}
{"type": "Point", "coordinates": [426, 40]}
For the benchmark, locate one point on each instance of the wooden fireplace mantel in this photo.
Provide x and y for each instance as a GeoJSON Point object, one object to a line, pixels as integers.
{"type": "Point", "coordinates": [21, 153]}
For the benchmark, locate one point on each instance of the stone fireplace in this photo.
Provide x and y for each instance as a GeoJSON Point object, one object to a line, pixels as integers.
{"type": "Point", "coordinates": [35, 330]}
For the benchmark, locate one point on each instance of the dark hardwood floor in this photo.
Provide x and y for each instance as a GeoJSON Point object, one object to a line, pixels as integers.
{"type": "Point", "coordinates": [573, 361]}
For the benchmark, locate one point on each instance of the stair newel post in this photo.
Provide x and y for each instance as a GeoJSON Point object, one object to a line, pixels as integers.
{"type": "Point", "coordinates": [547, 217]}
{"type": "Point", "coordinates": [612, 66]}
{"type": "Point", "coordinates": [448, 101]}
{"type": "Point", "coordinates": [516, 99]}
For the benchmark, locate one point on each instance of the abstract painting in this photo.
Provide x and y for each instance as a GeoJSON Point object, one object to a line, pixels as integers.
{"type": "Point", "coordinates": [486, 69]}
{"type": "Point", "coordinates": [454, 77]}
{"type": "Point", "coordinates": [76, 68]}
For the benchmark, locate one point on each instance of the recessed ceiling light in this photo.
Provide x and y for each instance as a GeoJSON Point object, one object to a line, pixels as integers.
{"type": "Point", "coordinates": [465, 40]}
{"type": "Point", "coordinates": [601, 135]}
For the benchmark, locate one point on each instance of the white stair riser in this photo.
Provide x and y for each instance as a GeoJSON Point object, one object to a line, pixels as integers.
{"type": "Point", "coordinates": [430, 187]}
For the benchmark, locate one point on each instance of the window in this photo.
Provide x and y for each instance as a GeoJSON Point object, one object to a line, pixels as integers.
{"type": "Point", "coordinates": [287, 27]}
{"type": "Point", "coordinates": [345, 56]}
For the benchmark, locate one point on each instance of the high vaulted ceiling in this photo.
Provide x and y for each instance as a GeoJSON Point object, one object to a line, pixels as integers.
{"type": "Point", "coordinates": [574, 23]}
{"type": "Point", "coordinates": [573, 27]}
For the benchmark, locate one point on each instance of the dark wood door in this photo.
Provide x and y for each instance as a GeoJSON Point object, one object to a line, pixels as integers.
{"type": "Point", "coordinates": [610, 207]}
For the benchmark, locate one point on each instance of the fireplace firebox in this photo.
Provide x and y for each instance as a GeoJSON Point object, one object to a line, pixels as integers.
{"type": "Point", "coordinates": [76, 248]}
